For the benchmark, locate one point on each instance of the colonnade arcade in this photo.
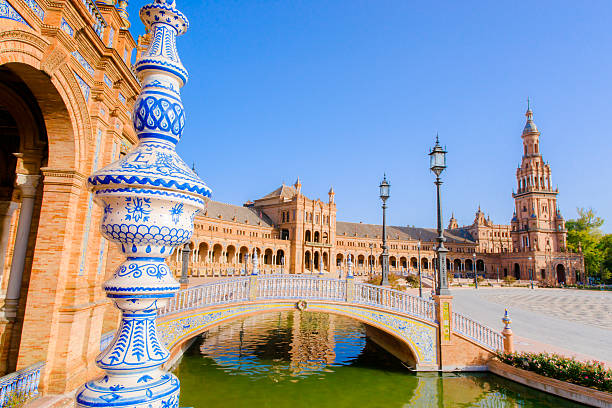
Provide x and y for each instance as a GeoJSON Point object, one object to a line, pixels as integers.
{"type": "Point", "coordinates": [210, 258]}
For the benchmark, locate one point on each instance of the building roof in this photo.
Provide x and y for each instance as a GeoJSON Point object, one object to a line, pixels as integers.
{"type": "Point", "coordinates": [214, 209]}
{"type": "Point", "coordinates": [283, 191]}
{"type": "Point", "coordinates": [352, 229]}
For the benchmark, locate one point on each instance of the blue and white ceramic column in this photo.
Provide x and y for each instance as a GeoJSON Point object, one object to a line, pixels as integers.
{"type": "Point", "coordinates": [150, 198]}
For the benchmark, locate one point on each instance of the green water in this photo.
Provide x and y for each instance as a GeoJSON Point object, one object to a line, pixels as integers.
{"type": "Point", "coordinates": [296, 360]}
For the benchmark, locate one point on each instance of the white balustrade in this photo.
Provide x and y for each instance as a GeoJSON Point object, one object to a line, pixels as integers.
{"type": "Point", "coordinates": [299, 287]}
{"type": "Point", "coordinates": [20, 384]}
{"type": "Point", "coordinates": [480, 333]}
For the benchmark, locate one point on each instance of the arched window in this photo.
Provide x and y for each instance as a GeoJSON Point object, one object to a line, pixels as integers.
{"type": "Point", "coordinates": [317, 236]}
{"type": "Point", "coordinates": [307, 236]}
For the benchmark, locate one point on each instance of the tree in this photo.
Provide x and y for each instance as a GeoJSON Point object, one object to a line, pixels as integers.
{"type": "Point", "coordinates": [584, 232]}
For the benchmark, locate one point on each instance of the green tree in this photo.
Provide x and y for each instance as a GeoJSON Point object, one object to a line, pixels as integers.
{"type": "Point", "coordinates": [605, 246]}
{"type": "Point", "coordinates": [584, 232]}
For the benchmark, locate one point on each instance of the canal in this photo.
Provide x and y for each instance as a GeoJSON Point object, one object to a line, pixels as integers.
{"type": "Point", "coordinates": [301, 359]}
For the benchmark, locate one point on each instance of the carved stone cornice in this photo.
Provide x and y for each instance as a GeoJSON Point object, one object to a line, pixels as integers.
{"type": "Point", "coordinates": [63, 177]}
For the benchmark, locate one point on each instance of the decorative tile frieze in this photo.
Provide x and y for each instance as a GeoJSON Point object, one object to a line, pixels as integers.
{"type": "Point", "coordinates": [35, 7]}
{"type": "Point", "coordinates": [86, 89]}
{"type": "Point", "coordinates": [7, 11]}
{"type": "Point", "coordinates": [108, 81]}
{"type": "Point", "coordinates": [65, 27]}
{"type": "Point", "coordinates": [83, 62]}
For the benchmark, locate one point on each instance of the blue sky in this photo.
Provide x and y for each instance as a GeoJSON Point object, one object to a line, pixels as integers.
{"type": "Point", "coordinates": [340, 92]}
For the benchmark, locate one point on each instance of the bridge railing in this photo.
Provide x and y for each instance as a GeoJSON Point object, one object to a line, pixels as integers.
{"type": "Point", "coordinates": [480, 333]}
{"type": "Point", "coordinates": [301, 287]}
{"type": "Point", "coordinates": [216, 293]}
{"type": "Point", "coordinates": [395, 300]}
{"type": "Point", "coordinates": [298, 287]}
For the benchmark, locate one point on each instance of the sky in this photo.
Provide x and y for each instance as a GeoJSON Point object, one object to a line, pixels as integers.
{"type": "Point", "coordinates": [338, 93]}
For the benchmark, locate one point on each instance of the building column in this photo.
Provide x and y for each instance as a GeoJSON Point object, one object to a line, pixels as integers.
{"type": "Point", "coordinates": [7, 209]}
{"type": "Point", "coordinates": [27, 184]}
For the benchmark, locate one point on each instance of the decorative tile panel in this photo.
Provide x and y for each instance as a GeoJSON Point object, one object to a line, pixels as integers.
{"type": "Point", "coordinates": [83, 62]}
{"type": "Point", "coordinates": [36, 9]}
{"type": "Point", "coordinates": [111, 37]}
{"type": "Point", "coordinates": [108, 81]}
{"type": "Point", "coordinates": [7, 11]}
{"type": "Point", "coordinates": [66, 28]}
{"type": "Point", "coordinates": [86, 89]}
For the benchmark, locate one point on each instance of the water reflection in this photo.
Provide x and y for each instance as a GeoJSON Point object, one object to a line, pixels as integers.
{"type": "Point", "coordinates": [300, 359]}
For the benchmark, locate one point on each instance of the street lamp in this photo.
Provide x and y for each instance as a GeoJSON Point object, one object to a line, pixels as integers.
{"type": "Point", "coordinates": [437, 163]}
{"type": "Point", "coordinates": [384, 195]}
{"type": "Point", "coordinates": [474, 270]}
{"type": "Point", "coordinates": [419, 262]}
{"type": "Point", "coordinates": [184, 280]}
{"type": "Point", "coordinates": [371, 259]}
{"type": "Point", "coordinates": [530, 272]}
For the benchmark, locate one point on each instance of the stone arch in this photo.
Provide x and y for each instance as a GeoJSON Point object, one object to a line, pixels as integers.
{"type": "Point", "coordinates": [230, 255]}
{"type": "Point", "coordinates": [480, 266]}
{"type": "Point", "coordinates": [307, 260]}
{"type": "Point", "coordinates": [268, 256]}
{"type": "Point", "coordinates": [360, 261]}
{"type": "Point", "coordinates": [243, 254]}
{"type": "Point", "coordinates": [307, 236]}
{"type": "Point", "coordinates": [339, 259]}
{"type": "Point", "coordinates": [457, 265]}
{"type": "Point", "coordinates": [517, 271]}
{"type": "Point", "coordinates": [325, 261]}
{"type": "Point", "coordinates": [403, 262]}
{"type": "Point", "coordinates": [280, 257]}
{"type": "Point", "coordinates": [217, 252]}
{"type": "Point", "coordinates": [325, 238]}
{"type": "Point", "coordinates": [45, 71]}
{"type": "Point", "coordinates": [425, 263]}
{"type": "Point", "coordinates": [414, 262]}
{"type": "Point", "coordinates": [316, 259]}
{"type": "Point", "coordinates": [203, 252]}
{"type": "Point", "coordinates": [469, 265]}
{"type": "Point", "coordinates": [561, 278]}
{"type": "Point", "coordinates": [317, 236]}
{"type": "Point", "coordinates": [393, 262]}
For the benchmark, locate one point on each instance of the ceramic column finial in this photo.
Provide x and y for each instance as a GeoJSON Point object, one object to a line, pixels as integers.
{"type": "Point", "coordinates": [255, 263]}
{"type": "Point", "coordinates": [507, 332]}
{"type": "Point", "coordinates": [349, 267]}
{"type": "Point", "coordinates": [150, 198]}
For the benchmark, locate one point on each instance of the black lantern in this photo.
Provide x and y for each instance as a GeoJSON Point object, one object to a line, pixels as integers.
{"type": "Point", "coordinates": [384, 189]}
{"type": "Point", "coordinates": [437, 158]}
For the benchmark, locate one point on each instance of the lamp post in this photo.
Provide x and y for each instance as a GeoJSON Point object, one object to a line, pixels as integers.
{"type": "Point", "coordinates": [437, 162]}
{"type": "Point", "coordinates": [419, 262]}
{"type": "Point", "coordinates": [371, 259]}
{"type": "Point", "coordinates": [384, 195]}
{"type": "Point", "coordinates": [530, 272]}
{"type": "Point", "coordinates": [474, 270]}
{"type": "Point", "coordinates": [186, 252]}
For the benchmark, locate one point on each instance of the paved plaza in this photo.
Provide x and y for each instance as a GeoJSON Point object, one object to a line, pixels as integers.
{"type": "Point", "coordinates": [566, 321]}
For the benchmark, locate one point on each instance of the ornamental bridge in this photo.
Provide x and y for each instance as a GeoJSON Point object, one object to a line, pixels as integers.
{"type": "Point", "coordinates": [407, 326]}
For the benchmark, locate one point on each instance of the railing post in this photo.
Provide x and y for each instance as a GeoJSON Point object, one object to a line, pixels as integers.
{"type": "Point", "coordinates": [350, 289]}
{"type": "Point", "coordinates": [444, 311]}
{"type": "Point", "coordinates": [507, 332]}
{"type": "Point", "coordinates": [253, 287]}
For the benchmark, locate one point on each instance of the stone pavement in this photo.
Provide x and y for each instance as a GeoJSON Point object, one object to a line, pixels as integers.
{"type": "Point", "coordinates": [563, 321]}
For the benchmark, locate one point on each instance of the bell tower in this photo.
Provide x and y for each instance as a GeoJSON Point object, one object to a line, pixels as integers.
{"type": "Point", "coordinates": [537, 224]}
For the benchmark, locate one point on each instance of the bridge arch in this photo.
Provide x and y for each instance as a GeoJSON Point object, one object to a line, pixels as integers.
{"type": "Point", "coordinates": [419, 352]}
